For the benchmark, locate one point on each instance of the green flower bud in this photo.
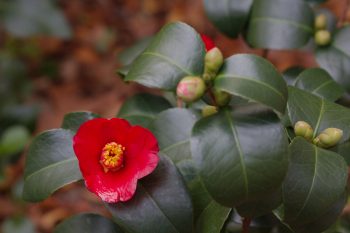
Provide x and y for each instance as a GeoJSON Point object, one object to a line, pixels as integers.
{"type": "Point", "coordinates": [221, 98]}
{"type": "Point", "coordinates": [190, 88]}
{"type": "Point", "coordinates": [303, 129]}
{"type": "Point", "coordinates": [322, 37]}
{"type": "Point", "coordinates": [328, 138]}
{"type": "Point", "coordinates": [209, 110]}
{"type": "Point", "coordinates": [320, 22]}
{"type": "Point", "coordinates": [213, 61]}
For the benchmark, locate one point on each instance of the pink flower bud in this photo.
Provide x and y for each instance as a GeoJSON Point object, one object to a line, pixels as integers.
{"type": "Point", "coordinates": [190, 88]}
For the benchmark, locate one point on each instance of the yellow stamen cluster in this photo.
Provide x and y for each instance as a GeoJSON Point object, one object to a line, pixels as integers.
{"type": "Point", "coordinates": [112, 156]}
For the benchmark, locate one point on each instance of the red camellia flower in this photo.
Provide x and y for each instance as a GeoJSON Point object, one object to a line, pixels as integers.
{"type": "Point", "coordinates": [113, 155]}
{"type": "Point", "coordinates": [208, 42]}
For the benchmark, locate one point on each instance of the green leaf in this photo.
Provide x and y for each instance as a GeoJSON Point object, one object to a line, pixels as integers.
{"type": "Point", "coordinates": [326, 220]}
{"type": "Point", "coordinates": [173, 129]}
{"type": "Point", "coordinates": [161, 204]}
{"type": "Point", "coordinates": [50, 165]}
{"type": "Point", "coordinates": [253, 78]}
{"type": "Point", "coordinates": [13, 140]}
{"type": "Point", "coordinates": [228, 16]}
{"type": "Point", "coordinates": [142, 109]}
{"type": "Point", "coordinates": [291, 74]}
{"type": "Point", "coordinates": [26, 18]}
{"type": "Point", "coordinates": [74, 120]}
{"type": "Point", "coordinates": [280, 24]}
{"type": "Point", "coordinates": [319, 113]}
{"type": "Point", "coordinates": [318, 82]}
{"type": "Point", "coordinates": [235, 149]}
{"type": "Point", "coordinates": [87, 223]}
{"type": "Point", "coordinates": [18, 225]}
{"type": "Point", "coordinates": [261, 206]}
{"type": "Point", "coordinates": [212, 218]}
{"type": "Point", "coordinates": [343, 149]}
{"type": "Point", "coordinates": [176, 51]}
{"type": "Point", "coordinates": [336, 58]}
{"type": "Point", "coordinates": [128, 55]}
{"type": "Point", "coordinates": [316, 179]}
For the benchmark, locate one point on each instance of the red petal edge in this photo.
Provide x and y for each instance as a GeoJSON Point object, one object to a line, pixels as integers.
{"type": "Point", "coordinates": [208, 42]}
{"type": "Point", "coordinates": [141, 157]}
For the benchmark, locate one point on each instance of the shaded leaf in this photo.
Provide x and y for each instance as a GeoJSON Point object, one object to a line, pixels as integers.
{"type": "Point", "coordinates": [175, 52]}
{"type": "Point", "coordinates": [336, 57]}
{"type": "Point", "coordinates": [316, 179]}
{"type": "Point", "coordinates": [87, 223]}
{"type": "Point", "coordinates": [230, 148]}
{"type": "Point", "coordinates": [291, 74]}
{"type": "Point", "coordinates": [36, 17]}
{"type": "Point", "coordinates": [319, 113]}
{"type": "Point", "coordinates": [161, 204]}
{"type": "Point", "coordinates": [18, 225]}
{"type": "Point", "coordinates": [326, 220]}
{"type": "Point", "coordinates": [253, 78]}
{"type": "Point", "coordinates": [74, 120]}
{"type": "Point", "coordinates": [280, 24]}
{"type": "Point", "coordinates": [128, 55]}
{"type": "Point", "coordinates": [13, 140]}
{"type": "Point", "coordinates": [141, 109]}
{"type": "Point", "coordinates": [173, 129]}
{"type": "Point", "coordinates": [318, 82]}
{"type": "Point", "coordinates": [50, 164]}
{"type": "Point", "coordinates": [228, 16]}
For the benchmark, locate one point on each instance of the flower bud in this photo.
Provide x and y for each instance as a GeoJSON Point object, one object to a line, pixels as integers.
{"type": "Point", "coordinates": [190, 88]}
{"type": "Point", "coordinates": [221, 98]}
{"type": "Point", "coordinates": [322, 37]}
{"type": "Point", "coordinates": [320, 22]}
{"type": "Point", "coordinates": [328, 138]}
{"type": "Point", "coordinates": [209, 110]}
{"type": "Point", "coordinates": [303, 129]}
{"type": "Point", "coordinates": [213, 61]}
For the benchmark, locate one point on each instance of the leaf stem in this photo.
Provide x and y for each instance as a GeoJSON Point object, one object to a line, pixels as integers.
{"type": "Point", "coordinates": [344, 15]}
{"type": "Point", "coordinates": [179, 103]}
{"type": "Point", "coordinates": [246, 224]}
{"type": "Point", "coordinates": [265, 53]}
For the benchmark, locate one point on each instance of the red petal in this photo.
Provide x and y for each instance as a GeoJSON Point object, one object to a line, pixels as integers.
{"type": "Point", "coordinates": [140, 157]}
{"type": "Point", "coordinates": [208, 42]}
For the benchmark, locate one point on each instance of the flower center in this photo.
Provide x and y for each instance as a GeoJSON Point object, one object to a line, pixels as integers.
{"type": "Point", "coordinates": [112, 157]}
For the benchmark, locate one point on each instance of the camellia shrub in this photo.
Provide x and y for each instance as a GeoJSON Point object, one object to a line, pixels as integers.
{"type": "Point", "coordinates": [231, 145]}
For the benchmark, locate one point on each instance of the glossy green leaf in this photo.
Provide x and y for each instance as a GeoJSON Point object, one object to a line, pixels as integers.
{"type": "Point", "coordinates": [291, 74]}
{"type": "Point", "coordinates": [36, 17]}
{"type": "Point", "coordinates": [343, 149]}
{"type": "Point", "coordinates": [141, 109]}
{"type": "Point", "coordinates": [336, 57]}
{"type": "Point", "coordinates": [253, 78]}
{"type": "Point", "coordinates": [175, 52]}
{"type": "Point", "coordinates": [261, 206]}
{"type": "Point", "coordinates": [228, 16]}
{"type": "Point", "coordinates": [161, 204]}
{"type": "Point", "coordinates": [173, 129]}
{"type": "Point", "coordinates": [316, 179]}
{"type": "Point", "coordinates": [280, 24]}
{"type": "Point", "coordinates": [50, 165]}
{"type": "Point", "coordinates": [73, 120]}
{"type": "Point", "coordinates": [128, 55]}
{"type": "Point", "coordinates": [212, 218]}
{"type": "Point", "coordinates": [13, 140]}
{"type": "Point", "coordinates": [318, 82]}
{"type": "Point", "coordinates": [123, 71]}
{"type": "Point", "coordinates": [235, 149]}
{"type": "Point", "coordinates": [319, 113]}
{"type": "Point", "coordinates": [87, 223]}
{"type": "Point", "coordinates": [326, 220]}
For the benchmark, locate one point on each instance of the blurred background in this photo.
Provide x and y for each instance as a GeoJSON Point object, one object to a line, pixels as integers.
{"type": "Point", "coordinates": [59, 56]}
